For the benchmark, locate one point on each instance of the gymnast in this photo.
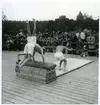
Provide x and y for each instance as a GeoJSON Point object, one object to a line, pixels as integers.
{"type": "Point", "coordinates": [60, 56]}
{"type": "Point", "coordinates": [30, 48]}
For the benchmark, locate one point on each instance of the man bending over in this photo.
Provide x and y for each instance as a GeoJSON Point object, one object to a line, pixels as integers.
{"type": "Point", "coordinates": [60, 56]}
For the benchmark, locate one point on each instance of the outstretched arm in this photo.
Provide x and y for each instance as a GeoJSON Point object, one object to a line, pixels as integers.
{"type": "Point", "coordinates": [34, 28]}
{"type": "Point", "coordinates": [68, 49]}
{"type": "Point", "coordinates": [28, 28]}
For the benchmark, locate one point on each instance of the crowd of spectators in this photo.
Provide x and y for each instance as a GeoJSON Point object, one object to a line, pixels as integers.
{"type": "Point", "coordinates": [75, 39]}
{"type": "Point", "coordinates": [14, 42]}
{"type": "Point", "coordinates": [79, 39]}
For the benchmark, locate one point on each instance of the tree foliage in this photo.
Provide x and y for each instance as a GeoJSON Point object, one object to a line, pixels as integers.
{"type": "Point", "coordinates": [4, 17]}
{"type": "Point", "coordinates": [62, 24]}
{"type": "Point", "coordinates": [80, 16]}
{"type": "Point", "coordinates": [10, 29]}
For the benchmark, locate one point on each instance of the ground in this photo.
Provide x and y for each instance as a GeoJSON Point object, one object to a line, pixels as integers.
{"type": "Point", "coordinates": [77, 87]}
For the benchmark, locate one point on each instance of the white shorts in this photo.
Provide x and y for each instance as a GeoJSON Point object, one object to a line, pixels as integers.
{"type": "Point", "coordinates": [29, 48]}
{"type": "Point", "coordinates": [59, 55]}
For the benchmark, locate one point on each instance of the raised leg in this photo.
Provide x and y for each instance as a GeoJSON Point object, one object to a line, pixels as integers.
{"type": "Point", "coordinates": [28, 28]}
{"type": "Point", "coordinates": [25, 57]}
{"type": "Point", "coordinates": [34, 28]}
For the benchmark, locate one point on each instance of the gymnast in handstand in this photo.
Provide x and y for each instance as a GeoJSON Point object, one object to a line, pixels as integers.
{"type": "Point", "coordinates": [30, 48]}
{"type": "Point", "coordinates": [60, 56]}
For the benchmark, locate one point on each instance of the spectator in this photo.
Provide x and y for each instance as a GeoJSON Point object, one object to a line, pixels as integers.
{"type": "Point", "coordinates": [74, 41]}
{"type": "Point", "coordinates": [10, 43]}
{"type": "Point", "coordinates": [91, 41]}
{"type": "Point", "coordinates": [79, 43]}
{"type": "Point", "coordinates": [19, 40]}
{"type": "Point", "coordinates": [96, 34]}
{"type": "Point", "coordinates": [82, 36]}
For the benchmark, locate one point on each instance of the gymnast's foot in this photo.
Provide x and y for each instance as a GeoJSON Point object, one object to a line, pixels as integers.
{"type": "Point", "coordinates": [59, 69]}
{"type": "Point", "coordinates": [17, 69]}
{"type": "Point", "coordinates": [18, 61]}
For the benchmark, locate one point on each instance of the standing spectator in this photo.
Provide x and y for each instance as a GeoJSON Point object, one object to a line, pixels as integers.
{"type": "Point", "coordinates": [80, 42]}
{"type": "Point", "coordinates": [83, 38]}
{"type": "Point", "coordinates": [96, 34]}
{"type": "Point", "coordinates": [74, 41]}
{"type": "Point", "coordinates": [91, 41]}
{"type": "Point", "coordinates": [68, 40]}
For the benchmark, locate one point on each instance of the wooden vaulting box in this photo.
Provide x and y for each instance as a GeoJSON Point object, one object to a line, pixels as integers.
{"type": "Point", "coordinates": [38, 71]}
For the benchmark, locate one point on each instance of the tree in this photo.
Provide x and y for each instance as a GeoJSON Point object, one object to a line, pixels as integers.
{"type": "Point", "coordinates": [4, 17]}
{"type": "Point", "coordinates": [62, 17]}
{"type": "Point", "coordinates": [86, 16]}
{"type": "Point", "coordinates": [80, 16]}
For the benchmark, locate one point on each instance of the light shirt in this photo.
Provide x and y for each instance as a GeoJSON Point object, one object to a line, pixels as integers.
{"type": "Point", "coordinates": [82, 35]}
{"type": "Point", "coordinates": [29, 47]}
{"type": "Point", "coordinates": [77, 34]}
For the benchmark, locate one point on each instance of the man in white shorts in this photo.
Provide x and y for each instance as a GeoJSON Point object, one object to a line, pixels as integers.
{"type": "Point", "coordinates": [30, 48]}
{"type": "Point", "coordinates": [60, 56]}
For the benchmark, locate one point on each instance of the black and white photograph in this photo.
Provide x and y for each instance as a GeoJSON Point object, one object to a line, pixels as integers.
{"type": "Point", "coordinates": [50, 52]}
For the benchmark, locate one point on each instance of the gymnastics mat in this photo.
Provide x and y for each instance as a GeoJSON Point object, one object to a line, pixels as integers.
{"type": "Point", "coordinates": [72, 64]}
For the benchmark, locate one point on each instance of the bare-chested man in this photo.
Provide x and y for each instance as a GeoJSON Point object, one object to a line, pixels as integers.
{"type": "Point", "coordinates": [60, 56]}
